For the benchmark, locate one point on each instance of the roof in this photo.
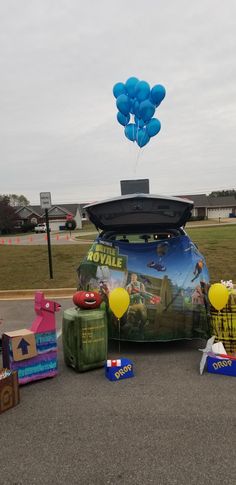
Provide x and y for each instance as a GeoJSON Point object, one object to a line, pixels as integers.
{"type": "Point", "coordinates": [68, 208]}
{"type": "Point", "coordinates": [203, 200]}
{"type": "Point", "coordinates": [227, 201]}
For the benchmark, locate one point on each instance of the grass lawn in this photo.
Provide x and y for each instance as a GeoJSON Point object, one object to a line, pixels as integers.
{"type": "Point", "coordinates": [25, 267]}
{"type": "Point", "coordinates": [218, 245]}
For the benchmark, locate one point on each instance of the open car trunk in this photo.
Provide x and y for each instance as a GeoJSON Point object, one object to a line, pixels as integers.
{"type": "Point", "coordinates": [140, 213]}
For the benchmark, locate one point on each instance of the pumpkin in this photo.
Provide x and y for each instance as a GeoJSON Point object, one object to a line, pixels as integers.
{"type": "Point", "coordinates": [87, 299]}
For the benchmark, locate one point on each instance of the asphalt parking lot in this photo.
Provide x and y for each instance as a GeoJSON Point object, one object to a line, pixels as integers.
{"type": "Point", "coordinates": [167, 425]}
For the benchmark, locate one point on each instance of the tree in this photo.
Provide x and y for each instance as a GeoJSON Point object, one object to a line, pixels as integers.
{"type": "Point", "coordinates": [8, 218]}
{"type": "Point", "coordinates": [70, 224]}
{"type": "Point", "coordinates": [18, 200]}
{"type": "Point", "coordinates": [223, 193]}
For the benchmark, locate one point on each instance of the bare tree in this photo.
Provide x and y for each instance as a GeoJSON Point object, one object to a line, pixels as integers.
{"type": "Point", "coordinates": [18, 200]}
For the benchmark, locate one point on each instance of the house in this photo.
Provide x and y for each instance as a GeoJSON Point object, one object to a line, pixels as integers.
{"type": "Point", "coordinates": [58, 215]}
{"type": "Point", "coordinates": [209, 207]}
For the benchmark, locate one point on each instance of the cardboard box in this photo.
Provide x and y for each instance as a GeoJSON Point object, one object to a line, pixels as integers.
{"type": "Point", "coordinates": [23, 344]}
{"type": "Point", "coordinates": [118, 372]}
{"type": "Point", "coordinates": [217, 365]}
{"type": "Point", "coordinates": [9, 392]}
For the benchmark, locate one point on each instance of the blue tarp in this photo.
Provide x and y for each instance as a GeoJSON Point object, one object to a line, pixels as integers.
{"type": "Point", "coordinates": [167, 281]}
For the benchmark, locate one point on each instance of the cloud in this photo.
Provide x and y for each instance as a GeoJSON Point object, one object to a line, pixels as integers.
{"type": "Point", "coordinates": [59, 62]}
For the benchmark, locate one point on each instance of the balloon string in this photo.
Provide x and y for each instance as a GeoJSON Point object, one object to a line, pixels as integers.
{"type": "Point", "coordinates": [119, 333]}
{"type": "Point", "coordinates": [140, 152]}
{"type": "Point", "coordinates": [137, 159]}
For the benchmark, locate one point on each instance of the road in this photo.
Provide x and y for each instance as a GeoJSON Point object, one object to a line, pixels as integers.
{"type": "Point", "coordinates": [39, 239]}
{"type": "Point", "coordinates": [168, 425]}
{"type": "Point", "coordinates": [74, 238]}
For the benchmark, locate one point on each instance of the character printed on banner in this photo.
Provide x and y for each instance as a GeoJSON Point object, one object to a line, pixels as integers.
{"type": "Point", "coordinates": [162, 250]}
{"type": "Point", "coordinates": [137, 312]}
{"type": "Point", "coordinates": [198, 269]}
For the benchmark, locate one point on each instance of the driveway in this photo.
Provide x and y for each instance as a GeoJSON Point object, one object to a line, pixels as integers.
{"type": "Point", "coordinates": [168, 425]}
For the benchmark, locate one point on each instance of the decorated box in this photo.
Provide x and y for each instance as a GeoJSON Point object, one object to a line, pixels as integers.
{"type": "Point", "coordinates": [223, 324]}
{"type": "Point", "coordinates": [33, 352]}
{"type": "Point", "coordinates": [9, 390]}
{"type": "Point", "coordinates": [33, 355]}
{"type": "Point", "coordinates": [219, 365]}
{"type": "Point", "coordinates": [115, 370]}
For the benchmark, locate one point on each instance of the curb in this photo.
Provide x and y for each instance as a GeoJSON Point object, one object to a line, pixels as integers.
{"type": "Point", "coordinates": [29, 294]}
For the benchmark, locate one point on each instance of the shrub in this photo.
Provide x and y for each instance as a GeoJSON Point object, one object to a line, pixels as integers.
{"type": "Point", "coordinates": [197, 218]}
{"type": "Point", "coordinates": [27, 226]}
{"type": "Point", "coordinates": [70, 225]}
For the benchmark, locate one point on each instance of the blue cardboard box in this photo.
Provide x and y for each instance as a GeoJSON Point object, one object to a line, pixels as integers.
{"type": "Point", "coordinates": [218, 365]}
{"type": "Point", "coordinates": [118, 372]}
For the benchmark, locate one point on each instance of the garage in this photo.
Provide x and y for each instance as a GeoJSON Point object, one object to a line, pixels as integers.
{"type": "Point", "coordinates": [219, 212]}
{"type": "Point", "coordinates": [56, 224]}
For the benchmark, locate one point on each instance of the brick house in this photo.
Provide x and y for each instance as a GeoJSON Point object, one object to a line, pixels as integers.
{"type": "Point", "coordinates": [58, 214]}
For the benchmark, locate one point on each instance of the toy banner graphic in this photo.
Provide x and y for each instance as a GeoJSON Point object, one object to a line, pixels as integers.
{"type": "Point", "coordinates": [167, 281]}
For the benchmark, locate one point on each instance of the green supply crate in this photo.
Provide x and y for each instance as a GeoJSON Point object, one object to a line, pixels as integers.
{"type": "Point", "coordinates": [84, 337]}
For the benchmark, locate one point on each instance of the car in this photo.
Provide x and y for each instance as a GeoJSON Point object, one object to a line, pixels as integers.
{"type": "Point", "coordinates": [41, 228]}
{"type": "Point", "coordinates": [142, 247]}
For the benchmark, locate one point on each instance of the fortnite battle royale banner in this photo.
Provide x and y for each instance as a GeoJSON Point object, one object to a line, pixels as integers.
{"type": "Point", "coordinates": [167, 281]}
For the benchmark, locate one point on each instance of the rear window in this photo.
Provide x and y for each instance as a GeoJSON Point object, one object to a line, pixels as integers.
{"type": "Point", "coordinates": [141, 237]}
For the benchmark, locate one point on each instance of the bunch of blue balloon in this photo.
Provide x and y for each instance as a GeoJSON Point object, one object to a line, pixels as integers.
{"type": "Point", "coordinates": [137, 103]}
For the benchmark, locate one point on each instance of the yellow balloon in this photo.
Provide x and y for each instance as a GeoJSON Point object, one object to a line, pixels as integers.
{"type": "Point", "coordinates": [119, 301]}
{"type": "Point", "coordinates": [218, 295]}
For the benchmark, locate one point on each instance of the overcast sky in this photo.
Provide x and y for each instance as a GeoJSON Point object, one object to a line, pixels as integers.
{"type": "Point", "coordinates": [59, 61]}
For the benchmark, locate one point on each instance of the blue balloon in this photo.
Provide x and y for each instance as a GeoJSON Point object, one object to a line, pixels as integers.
{"type": "Point", "coordinates": [142, 90]}
{"type": "Point", "coordinates": [130, 86]}
{"type": "Point", "coordinates": [146, 110]}
{"type": "Point", "coordinates": [131, 131]}
{"type": "Point", "coordinates": [136, 107]}
{"type": "Point", "coordinates": [122, 119]}
{"type": "Point", "coordinates": [131, 105]}
{"type": "Point", "coordinates": [142, 137]}
{"type": "Point", "coordinates": [123, 104]}
{"type": "Point", "coordinates": [158, 93]}
{"type": "Point", "coordinates": [139, 122]}
{"type": "Point", "coordinates": [153, 127]}
{"type": "Point", "coordinates": [118, 89]}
